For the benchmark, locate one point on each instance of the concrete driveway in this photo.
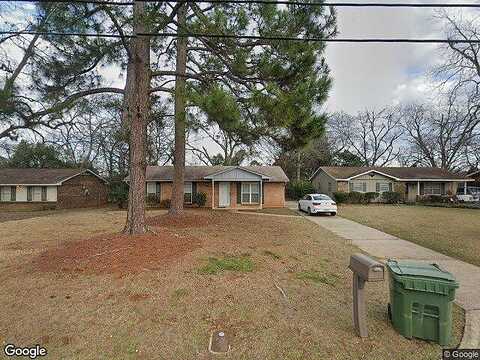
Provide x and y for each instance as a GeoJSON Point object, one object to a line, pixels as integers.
{"type": "Point", "coordinates": [385, 246]}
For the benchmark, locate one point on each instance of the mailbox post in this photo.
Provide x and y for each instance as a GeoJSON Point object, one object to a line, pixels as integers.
{"type": "Point", "coordinates": [364, 269]}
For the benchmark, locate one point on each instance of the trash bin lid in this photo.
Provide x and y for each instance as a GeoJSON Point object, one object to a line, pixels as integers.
{"type": "Point", "coordinates": [424, 277]}
{"type": "Point", "coordinates": [420, 269]}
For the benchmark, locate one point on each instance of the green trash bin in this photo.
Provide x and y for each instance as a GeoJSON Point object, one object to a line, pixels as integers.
{"type": "Point", "coordinates": [421, 297]}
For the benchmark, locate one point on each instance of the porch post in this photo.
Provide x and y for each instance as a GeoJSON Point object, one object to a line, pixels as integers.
{"type": "Point", "coordinates": [465, 188]}
{"type": "Point", "coordinates": [418, 188]}
{"type": "Point", "coordinates": [213, 194]}
{"type": "Point", "coordinates": [261, 194]}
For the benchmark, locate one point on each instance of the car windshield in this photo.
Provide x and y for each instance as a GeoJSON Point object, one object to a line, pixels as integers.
{"type": "Point", "coordinates": [321, 197]}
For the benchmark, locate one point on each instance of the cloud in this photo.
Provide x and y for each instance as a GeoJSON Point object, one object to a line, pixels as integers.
{"type": "Point", "coordinates": [376, 75]}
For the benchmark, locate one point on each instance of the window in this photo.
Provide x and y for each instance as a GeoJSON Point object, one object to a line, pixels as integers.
{"type": "Point", "coordinates": [358, 186]}
{"type": "Point", "coordinates": [37, 193]}
{"type": "Point", "coordinates": [151, 188]}
{"type": "Point", "coordinates": [5, 194]}
{"type": "Point", "coordinates": [432, 189]}
{"type": "Point", "coordinates": [250, 193]}
{"type": "Point", "coordinates": [187, 197]}
{"type": "Point", "coordinates": [382, 187]}
{"type": "Point", "coordinates": [321, 197]}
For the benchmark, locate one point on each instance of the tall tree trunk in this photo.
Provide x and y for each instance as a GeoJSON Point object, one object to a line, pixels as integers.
{"type": "Point", "coordinates": [176, 206]}
{"type": "Point", "coordinates": [298, 165]}
{"type": "Point", "coordinates": [137, 99]}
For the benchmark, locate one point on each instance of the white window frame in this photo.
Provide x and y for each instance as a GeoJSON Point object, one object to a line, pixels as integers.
{"type": "Point", "coordinates": [5, 193]}
{"type": "Point", "coordinates": [386, 186]}
{"type": "Point", "coordinates": [188, 192]}
{"type": "Point", "coordinates": [247, 190]}
{"type": "Point", "coordinates": [430, 188]}
{"type": "Point", "coordinates": [359, 184]}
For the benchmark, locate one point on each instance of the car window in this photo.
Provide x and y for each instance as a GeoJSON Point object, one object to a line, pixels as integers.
{"type": "Point", "coordinates": [321, 197]}
{"type": "Point", "coordinates": [308, 197]}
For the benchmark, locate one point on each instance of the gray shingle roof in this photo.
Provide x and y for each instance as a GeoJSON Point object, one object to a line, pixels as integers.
{"type": "Point", "coordinates": [343, 172]}
{"type": "Point", "coordinates": [11, 176]}
{"type": "Point", "coordinates": [196, 173]}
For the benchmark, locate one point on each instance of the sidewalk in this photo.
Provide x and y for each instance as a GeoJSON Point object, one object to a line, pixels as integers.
{"type": "Point", "coordinates": [385, 246]}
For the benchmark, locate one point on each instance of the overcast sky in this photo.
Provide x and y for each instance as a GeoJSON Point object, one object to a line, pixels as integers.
{"type": "Point", "coordinates": [375, 75]}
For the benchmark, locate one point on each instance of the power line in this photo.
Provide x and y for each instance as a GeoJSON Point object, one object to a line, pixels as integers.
{"type": "Point", "coordinates": [274, 2]}
{"type": "Point", "coordinates": [250, 37]}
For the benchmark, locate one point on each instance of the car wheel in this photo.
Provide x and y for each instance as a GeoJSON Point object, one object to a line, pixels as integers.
{"type": "Point", "coordinates": [309, 211]}
{"type": "Point", "coordinates": [333, 213]}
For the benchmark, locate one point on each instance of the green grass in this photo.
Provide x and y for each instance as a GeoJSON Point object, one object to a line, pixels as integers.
{"type": "Point", "coordinates": [228, 263]}
{"type": "Point", "coordinates": [316, 277]}
{"type": "Point", "coordinates": [179, 293]}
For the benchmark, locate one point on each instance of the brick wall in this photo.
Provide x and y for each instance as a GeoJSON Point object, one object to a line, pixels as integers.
{"type": "Point", "coordinates": [27, 206]}
{"type": "Point", "coordinates": [274, 195]}
{"type": "Point", "coordinates": [83, 190]}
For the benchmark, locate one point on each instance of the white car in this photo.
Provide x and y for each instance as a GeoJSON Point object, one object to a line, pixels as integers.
{"type": "Point", "coordinates": [317, 203]}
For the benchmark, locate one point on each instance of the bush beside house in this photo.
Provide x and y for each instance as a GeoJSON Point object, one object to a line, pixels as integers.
{"type": "Point", "coordinates": [353, 197]}
{"type": "Point", "coordinates": [298, 189]}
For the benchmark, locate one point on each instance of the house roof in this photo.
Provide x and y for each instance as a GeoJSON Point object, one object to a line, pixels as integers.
{"type": "Point", "coordinates": [398, 173]}
{"type": "Point", "coordinates": [196, 173]}
{"type": "Point", "coordinates": [473, 174]}
{"type": "Point", "coordinates": [11, 176]}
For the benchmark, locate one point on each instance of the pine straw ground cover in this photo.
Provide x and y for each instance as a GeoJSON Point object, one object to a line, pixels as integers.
{"type": "Point", "coordinates": [228, 275]}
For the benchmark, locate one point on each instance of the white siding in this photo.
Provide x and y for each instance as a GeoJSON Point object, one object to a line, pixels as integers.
{"type": "Point", "coordinates": [21, 193]}
{"type": "Point", "coordinates": [320, 183]}
{"type": "Point", "coordinates": [237, 175]}
{"type": "Point", "coordinates": [51, 193]}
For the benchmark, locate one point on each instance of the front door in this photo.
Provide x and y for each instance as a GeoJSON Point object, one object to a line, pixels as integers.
{"type": "Point", "coordinates": [224, 194]}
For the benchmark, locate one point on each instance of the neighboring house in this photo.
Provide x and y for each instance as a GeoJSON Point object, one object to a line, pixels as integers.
{"type": "Point", "coordinates": [409, 181]}
{"type": "Point", "coordinates": [476, 178]}
{"type": "Point", "coordinates": [235, 186]}
{"type": "Point", "coordinates": [51, 189]}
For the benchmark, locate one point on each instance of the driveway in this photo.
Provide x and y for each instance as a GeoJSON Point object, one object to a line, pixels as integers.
{"type": "Point", "coordinates": [385, 246]}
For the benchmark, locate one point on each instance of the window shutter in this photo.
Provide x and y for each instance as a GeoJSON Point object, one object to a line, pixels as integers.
{"type": "Point", "coordinates": [390, 187]}
{"type": "Point", "coordinates": [13, 193]}
{"type": "Point", "coordinates": [239, 192]}
{"type": "Point", "coordinates": [44, 193]}
{"type": "Point", "coordinates": [194, 188]}
{"type": "Point", "coordinates": [157, 188]}
{"type": "Point", "coordinates": [364, 185]}
{"type": "Point", "coordinates": [29, 193]}
{"type": "Point", "coordinates": [377, 187]}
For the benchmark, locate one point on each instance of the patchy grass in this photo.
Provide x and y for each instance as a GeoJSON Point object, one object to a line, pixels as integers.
{"type": "Point", "coordinates": [453, 232]}
{"type": "Point", "coordinates": [272, 254]}
{"type": "Point", "coordinates": [228, 263]}
{"type": "Point", "coordinates": [168, 311]}
{"type": "Point", "coordinates": [316, 277]}
{"type": "Point", "coordinates": [276, 211]}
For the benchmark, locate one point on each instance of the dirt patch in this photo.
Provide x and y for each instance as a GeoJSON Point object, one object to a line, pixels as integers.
{"type": "Point", "coordinates": [116, 254]}
{"type": "Point", "coordinates": [185, 220]}
{"type": "Point", "coordinates": [138, 297]}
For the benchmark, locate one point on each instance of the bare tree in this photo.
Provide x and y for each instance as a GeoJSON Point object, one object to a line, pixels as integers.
{"type": "Point", "coordinates": [372, 136]}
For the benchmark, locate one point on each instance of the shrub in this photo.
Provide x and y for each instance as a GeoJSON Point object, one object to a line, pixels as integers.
{"type": "Point", "coordinates": [340, 197]}
{"type": "Point", "coordinates": [391, 197]}
{"type": "Point", "coordinates": [370, 196]}
{"type": "Point", "coordinates": [153, 199]}
{"type": "Point", "coordinates": [355, 197]}
{"type": "Point", "coordinates": [118, 193]}
{"type": "Point", "coordinates": [199, 198]}
{"type": "Point", "coordinates": [298, 189]}
{"type": "Point", "coordinates": [165, 204]}
{"type": "Point", "coordinates": [436, 199]}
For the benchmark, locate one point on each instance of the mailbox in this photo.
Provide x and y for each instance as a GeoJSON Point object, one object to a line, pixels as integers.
{"type": "Point", "coordinates": [364, 269]}
{"type": "Point", "coordinates": [367, 268]}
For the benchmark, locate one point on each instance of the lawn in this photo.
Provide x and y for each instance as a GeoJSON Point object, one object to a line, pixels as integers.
{"type": "Point", "coordinates": [453, 232]}
{"type": "Point", "coordinates": [83, 293]}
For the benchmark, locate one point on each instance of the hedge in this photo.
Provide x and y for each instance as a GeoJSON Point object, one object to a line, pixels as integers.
{"type": "Point", "coordinates": [390, 197]}
{"type": "Point", "coordinates": [298, 189]}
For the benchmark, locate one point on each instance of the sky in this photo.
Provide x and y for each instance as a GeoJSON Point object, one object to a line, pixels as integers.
{"type": "Point", "coordinates": [377, 75]}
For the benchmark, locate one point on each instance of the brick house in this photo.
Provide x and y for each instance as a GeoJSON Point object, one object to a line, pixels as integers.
{"type": "Point", "coordinates": [410, 182]}
{"type": "Point", "coordinates": [38, 189]}
{"type": "Point", "coordinates": [236, 187]}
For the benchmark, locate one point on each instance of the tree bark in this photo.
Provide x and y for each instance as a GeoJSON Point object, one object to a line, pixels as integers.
{"type": "Point", "coordinates": [137, 98]}
{"type": "Point", "coordinates": [176, 206]}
